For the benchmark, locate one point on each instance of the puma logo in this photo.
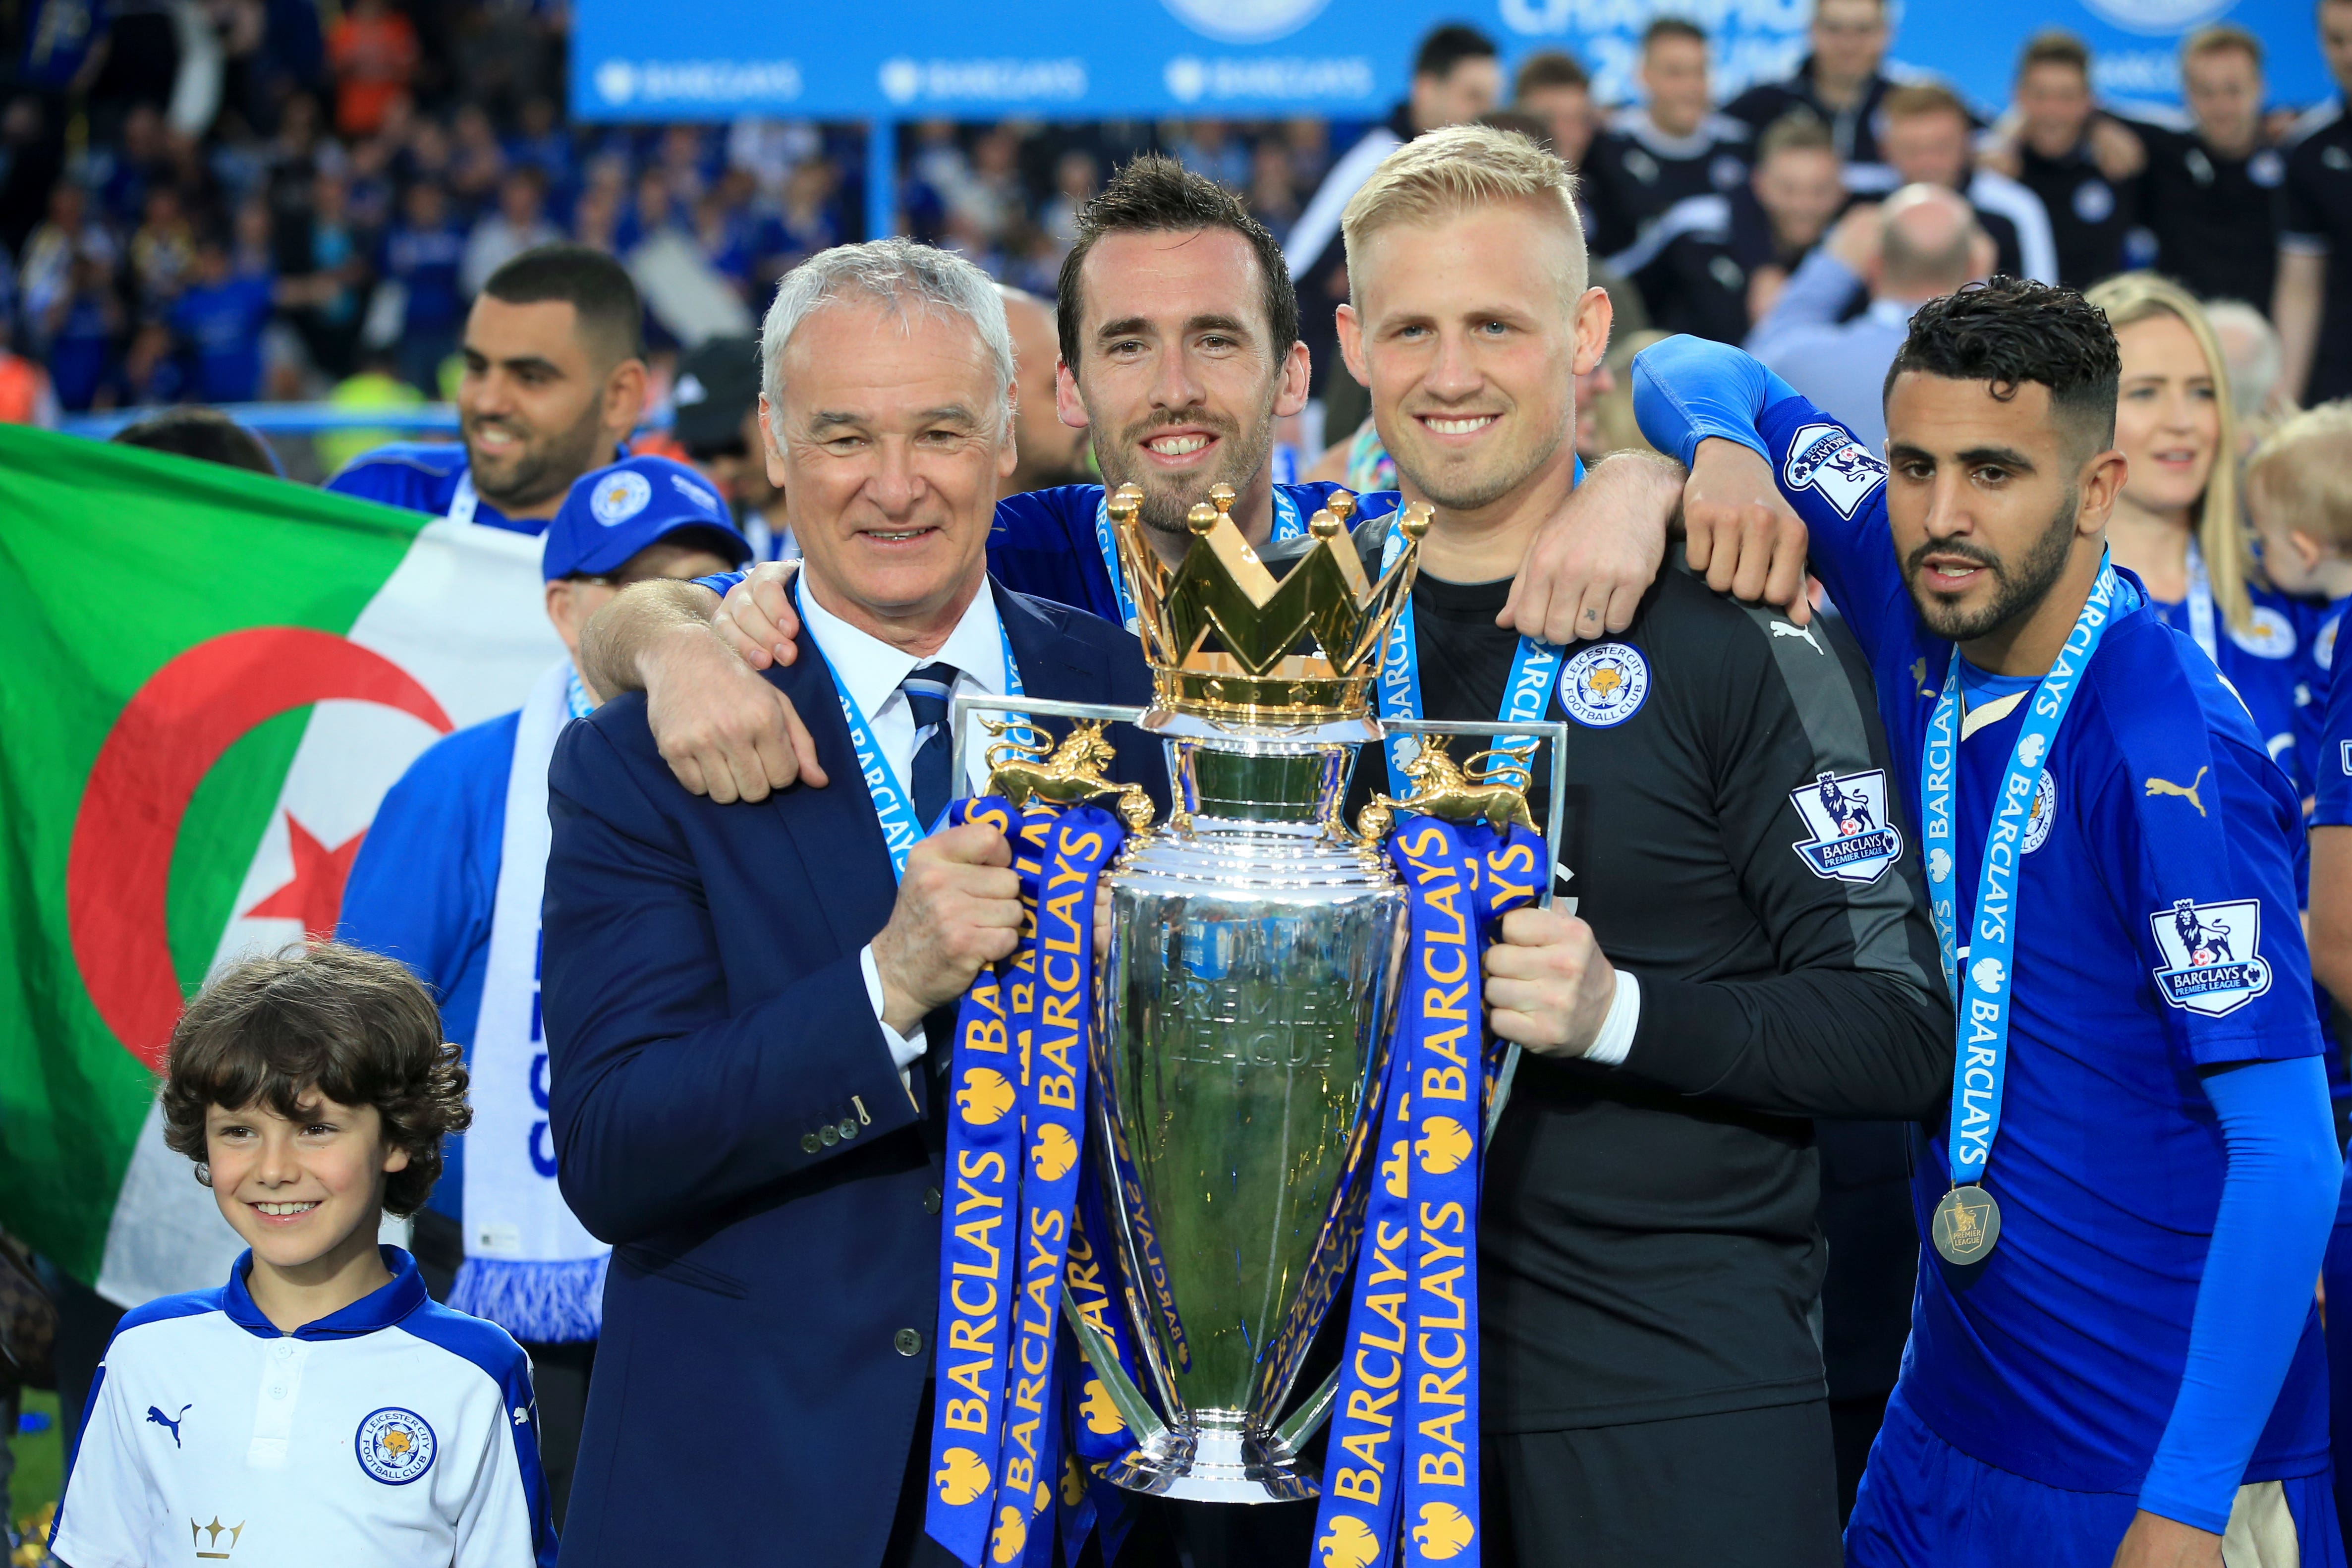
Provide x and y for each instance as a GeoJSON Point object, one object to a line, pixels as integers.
{"type": "Point", "coordinates": [169, 1423]}
{"type": "Point", "coordinates": [1803, 634]}
{"type": "Point", "coordinates": [2187, 792]}
{"type": "Point", "coordinates": [1919, 678]}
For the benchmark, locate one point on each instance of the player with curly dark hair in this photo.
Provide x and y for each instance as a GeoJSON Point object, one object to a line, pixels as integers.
{"type": "Point", "coordinates": [2114, 1355]}
{"type": "Point", "coordinates": [292, 1407]}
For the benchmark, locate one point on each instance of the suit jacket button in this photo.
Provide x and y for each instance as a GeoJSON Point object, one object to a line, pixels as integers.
{"type": "Point", "coordinates": [908, 1342]}
{"type": "Point", "coordinates": [849, 1129]}
{"type": "Point", "coordinates": [828, 1136]}
{"type": "Point", "coordinates": [808, 1143]}
{"type": "Point", "coordinates": [930, 1200]}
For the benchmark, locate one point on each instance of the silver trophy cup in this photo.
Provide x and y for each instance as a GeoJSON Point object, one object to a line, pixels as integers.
{"type": "Point", "coordinates": [1243, 1000]}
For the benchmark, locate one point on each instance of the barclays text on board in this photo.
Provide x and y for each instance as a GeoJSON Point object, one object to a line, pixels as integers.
{"type": "Point", "coordinates": [661, 59]}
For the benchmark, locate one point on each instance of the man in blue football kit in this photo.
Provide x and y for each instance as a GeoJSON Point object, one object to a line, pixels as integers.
{"type": "Point", "coordinates": [554, 382]}
{"type": "Point", "coordinates": [2113, 1339]}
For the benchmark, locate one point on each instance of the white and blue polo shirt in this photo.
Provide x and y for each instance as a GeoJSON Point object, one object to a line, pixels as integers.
{"type": "Point", "coordinates": [394, 1432]}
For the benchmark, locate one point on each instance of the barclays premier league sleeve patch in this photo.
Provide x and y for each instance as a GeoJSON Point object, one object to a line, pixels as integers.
{"type": "Point", "coordinates": [2211, 962]}
{"type": "Point", "coordinates": [1852, 841]}
{"type": "Point", "coordinates": [1827, 458]}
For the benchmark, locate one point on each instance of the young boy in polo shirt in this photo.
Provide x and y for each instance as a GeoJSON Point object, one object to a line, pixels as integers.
{"type": "Point", "coordinates": [319, 1407]}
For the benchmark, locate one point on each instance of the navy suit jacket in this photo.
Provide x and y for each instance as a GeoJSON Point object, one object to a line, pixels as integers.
{"type": "Point", "coordinates": [728, 1116]}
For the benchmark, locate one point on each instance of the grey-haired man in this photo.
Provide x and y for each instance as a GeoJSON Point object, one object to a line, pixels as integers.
{"type": "Point", "coordinates": [744, 1004]}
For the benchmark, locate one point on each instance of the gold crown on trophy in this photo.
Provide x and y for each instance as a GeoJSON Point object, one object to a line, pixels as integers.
{"type": "Point", "coordinates": [1256, 675]}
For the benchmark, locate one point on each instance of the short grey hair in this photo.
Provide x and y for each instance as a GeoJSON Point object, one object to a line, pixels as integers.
{"type": "Point", "coordinates": [914, 280]}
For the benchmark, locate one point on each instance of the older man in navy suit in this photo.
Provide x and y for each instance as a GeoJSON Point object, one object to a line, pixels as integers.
{"type": "Point", "coordinates": [749, 1006]}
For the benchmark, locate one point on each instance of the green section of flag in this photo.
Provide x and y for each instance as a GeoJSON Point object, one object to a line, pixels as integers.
{"type": "Point", "coordinates": [113, 561]}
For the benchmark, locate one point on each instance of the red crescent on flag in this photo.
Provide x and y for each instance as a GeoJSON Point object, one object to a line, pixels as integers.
{"type": "Point", "coordinates": [166, 739]}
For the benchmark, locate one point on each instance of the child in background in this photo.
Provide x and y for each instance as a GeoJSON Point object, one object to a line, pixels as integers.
{"type": "Point", "coordinates": [319, 1407]}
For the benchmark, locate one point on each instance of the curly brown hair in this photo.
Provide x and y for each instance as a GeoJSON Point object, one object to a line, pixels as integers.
{"type": "Point", "coordinates": [329, 1020]}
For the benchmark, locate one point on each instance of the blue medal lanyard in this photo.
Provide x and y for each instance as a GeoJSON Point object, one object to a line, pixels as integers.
{"type": "Point", "coordinates": [1982, 1062]}
{"type": "Point", "coordinates": [2200, 604]}
{"type": "Point", "coordinates": [894, 809]}
{"type": "Point", "coordinates": [1535, 666]}
{"type": "Point", "coordinates": [1287, 524]}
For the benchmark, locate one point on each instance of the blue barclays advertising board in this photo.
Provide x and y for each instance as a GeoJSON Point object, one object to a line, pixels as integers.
{"type": "Point", "coordinates": [1086, 59]}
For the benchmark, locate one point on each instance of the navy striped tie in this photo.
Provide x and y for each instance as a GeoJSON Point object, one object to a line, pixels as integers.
{"type": "Point", "coordinates": [928, 691]}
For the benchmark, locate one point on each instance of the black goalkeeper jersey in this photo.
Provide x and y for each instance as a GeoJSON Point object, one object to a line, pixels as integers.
{"type": "Point", "coordinates": [1648, 1241]}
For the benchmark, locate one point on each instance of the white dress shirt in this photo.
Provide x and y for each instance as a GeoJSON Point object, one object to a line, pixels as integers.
{"type": "Point", "coordinates": [872, 670]}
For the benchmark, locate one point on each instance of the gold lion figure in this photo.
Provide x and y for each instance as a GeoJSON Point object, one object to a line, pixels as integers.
{"type": "Point", "coordinates": [1024, 765]}
{"type": "Point", "coordinates": [1492, 784]}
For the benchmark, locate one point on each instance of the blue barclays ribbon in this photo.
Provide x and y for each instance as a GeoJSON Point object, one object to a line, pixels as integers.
{"type": "Point", "coordinates": [1534, 666]}
{"type": "Point", "coordinates": [1982, 1065]}
{"type": "Point", "coordinates": [976, 1253]}
{"type": "Point", "coordinates": [1097, 1436]}
{"type": "Point", "coordinates": [1403, 1453]}
{"type": "Point", "coordinates": [1063, 850]}
{"type": "Point", "coordinates": [1287, 524]}
{"type": "Point", "coordinates": [1020, 1074]}
{"type": "Point", "coordinates": [1509, 868]}
{"type": "Point", "coordinates": [894, 809]}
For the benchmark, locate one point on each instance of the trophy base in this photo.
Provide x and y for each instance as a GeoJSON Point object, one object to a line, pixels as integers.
{"type": "Point", "coordinates": [1216, 1463]}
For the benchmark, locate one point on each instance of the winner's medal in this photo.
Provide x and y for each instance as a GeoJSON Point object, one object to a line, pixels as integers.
{"type": "Point", "coordinates": [1967, 1224]}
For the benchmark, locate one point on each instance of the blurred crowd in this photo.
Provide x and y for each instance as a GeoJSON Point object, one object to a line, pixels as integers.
{"type": "Point", "coordinates": [291, 207]}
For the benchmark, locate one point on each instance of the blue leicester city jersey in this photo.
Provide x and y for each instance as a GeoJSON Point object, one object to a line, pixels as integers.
{"type": "Point", "coordinates": [2332, 754]}
{"type": "Point", "coordinates": [429, 477]}
{"type": "Point", "coordinates": [223, 322]}
{"type": "Point", "coordinates": [2331, 743]}
{"type": "Point", "coordinates": [2264, 665]}
{"type": "Point", "coordinates": [2157, 935]}
{"type": "Point", "coordinates": [2061, 1362]}
{"type": "Point", "coordinates": [1043, 543]}
{"type": "Point", "coordinates": [2314, 658]}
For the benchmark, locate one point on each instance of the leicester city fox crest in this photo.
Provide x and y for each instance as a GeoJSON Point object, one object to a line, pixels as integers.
{"type": "Point", "coordinates": [1852, 841]}
{"type": "Point", "coordinates": [2211, 962]}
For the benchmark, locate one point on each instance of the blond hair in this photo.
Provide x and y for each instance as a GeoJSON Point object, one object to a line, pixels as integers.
{"type": "Point", "coordinates": [2132, 297]}
{"type": "Point", "coordinates": [1461, 169]}
{"type": "Point", "coordinates": [2301, 477]}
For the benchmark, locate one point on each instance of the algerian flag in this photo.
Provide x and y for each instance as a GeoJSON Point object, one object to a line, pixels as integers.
{"type": "Point", "coordinates": [209, 679]}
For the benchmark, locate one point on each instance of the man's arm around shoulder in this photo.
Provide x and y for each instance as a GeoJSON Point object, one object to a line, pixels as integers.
{"type": "Point", "coordinates": [725, 729]}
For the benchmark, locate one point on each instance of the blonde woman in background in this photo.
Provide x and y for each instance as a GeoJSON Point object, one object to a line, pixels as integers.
{"type": "Point", "coordinates": [2177, 524]}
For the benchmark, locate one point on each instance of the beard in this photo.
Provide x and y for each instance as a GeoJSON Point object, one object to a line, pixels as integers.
{"type": "Point", "coordinates": [538, 468]}
{"type": "Point", "coordinates": [2016, 593]}
{"type": "Point", "coordinates": [1166, 499]}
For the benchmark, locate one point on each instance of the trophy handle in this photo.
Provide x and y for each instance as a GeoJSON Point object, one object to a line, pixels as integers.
{"type": "Point", "coordinates": [1124, 1397]}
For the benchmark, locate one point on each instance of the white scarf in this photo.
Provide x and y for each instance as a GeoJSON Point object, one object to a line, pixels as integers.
{"type": "Point", "coordinates": [530, 1267]}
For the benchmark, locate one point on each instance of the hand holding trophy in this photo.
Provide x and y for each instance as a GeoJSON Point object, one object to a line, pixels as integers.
{"type": "Point", "coordinates": [1257, 1109]}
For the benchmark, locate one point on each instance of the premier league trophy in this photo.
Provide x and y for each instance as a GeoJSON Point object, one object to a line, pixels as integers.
{"type": "Point", "coordinates": [1244, 999]}
{"type": "Point", "coordinates": [1245, 993]}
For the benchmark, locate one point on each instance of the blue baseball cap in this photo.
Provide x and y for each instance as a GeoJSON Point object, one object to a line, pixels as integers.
{"type": "Point", "coordinates": [611, 514]}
